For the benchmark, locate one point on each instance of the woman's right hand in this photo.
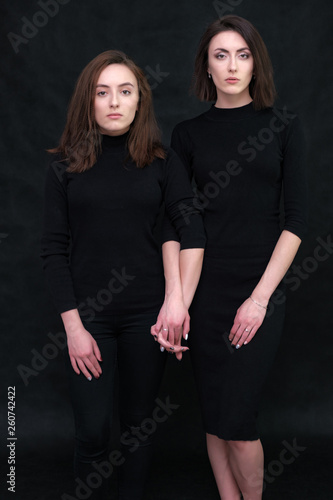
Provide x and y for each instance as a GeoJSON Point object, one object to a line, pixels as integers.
{"type": "Point", "coordinates": [84, 353]}
{"type": "Point", "coordinates": [83, 350]}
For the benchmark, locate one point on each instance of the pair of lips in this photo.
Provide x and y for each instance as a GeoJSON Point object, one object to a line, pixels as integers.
{"type": "Point", "coordinates": [114, 115]}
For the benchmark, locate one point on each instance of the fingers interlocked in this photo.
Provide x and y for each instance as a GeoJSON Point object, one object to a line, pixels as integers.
{"type": "Point", "coordinates": [169, 340]}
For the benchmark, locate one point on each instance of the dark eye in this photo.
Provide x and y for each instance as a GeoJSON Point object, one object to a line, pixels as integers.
{"type": "Point", "coordinates": [126, 92]}
{"type": "Point", "coordinates": [101, 93]}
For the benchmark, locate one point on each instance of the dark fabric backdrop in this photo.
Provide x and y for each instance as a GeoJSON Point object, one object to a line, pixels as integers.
{"type": "Point", "coordinates": [45, 46]}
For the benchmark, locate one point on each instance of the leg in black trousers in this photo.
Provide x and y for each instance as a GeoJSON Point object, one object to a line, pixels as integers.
{"type": "Point", "coordinates": [141, 366]}
{"type": "Point", "coordinates": [126, 338]}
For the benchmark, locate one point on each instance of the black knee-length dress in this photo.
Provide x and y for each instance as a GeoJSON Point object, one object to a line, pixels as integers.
{"type": "Point", "coordinates": [241, 160]}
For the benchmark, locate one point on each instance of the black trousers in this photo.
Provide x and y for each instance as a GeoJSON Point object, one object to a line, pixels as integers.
{"type": "Point", "coordinates": [125, 342]}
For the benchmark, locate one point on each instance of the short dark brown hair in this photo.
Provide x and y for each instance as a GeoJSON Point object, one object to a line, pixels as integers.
{"type": "Point", "coordinates": [80, 142]}
{"type": "Point", "coordinates": [262, 88]}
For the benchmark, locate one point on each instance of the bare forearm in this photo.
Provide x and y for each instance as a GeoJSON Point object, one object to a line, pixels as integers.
{"type": "Point", "coordinates": [279, 263]}
{"type": "Point", "coordinates": [170, 252]}
{"type": "Point", "coordinates": [182, 269]}
{"type": "Point", "coordinates": [190, 264]}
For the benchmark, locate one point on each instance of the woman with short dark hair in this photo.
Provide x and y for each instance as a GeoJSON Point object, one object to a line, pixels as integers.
{"type": "Point", "coordinates": [241, 153]}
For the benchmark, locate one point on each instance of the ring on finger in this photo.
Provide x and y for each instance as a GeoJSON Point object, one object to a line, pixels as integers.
{"type": "Point", "coordinates": [165, 329]}
{"type": "Point", "coordinates": [247, 330]}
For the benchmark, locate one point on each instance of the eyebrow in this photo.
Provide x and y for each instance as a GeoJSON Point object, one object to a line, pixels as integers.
{"type": "Point", "coordinates": [239, 50]}
{"type": "Point", "coordinates": [121, 85]}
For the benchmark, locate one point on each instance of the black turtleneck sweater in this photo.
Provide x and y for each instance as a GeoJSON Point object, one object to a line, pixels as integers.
{"type": "Point", "coordinates": [99, 247]}
{"type": "Point", "coordinates": [242, 160]}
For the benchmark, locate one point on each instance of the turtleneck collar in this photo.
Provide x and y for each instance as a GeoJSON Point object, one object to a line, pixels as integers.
{"type": "Point", "coordinates": [227, 114]}
{"type": "Point", "coordinates": [114, 141]}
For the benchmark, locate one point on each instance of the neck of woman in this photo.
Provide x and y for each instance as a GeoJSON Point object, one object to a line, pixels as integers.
{"type": "Point", "coordinates": [232, 101]}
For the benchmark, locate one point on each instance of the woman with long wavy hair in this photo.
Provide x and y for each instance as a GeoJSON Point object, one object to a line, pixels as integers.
{"type": "Point", "coordinates": [105, 186]}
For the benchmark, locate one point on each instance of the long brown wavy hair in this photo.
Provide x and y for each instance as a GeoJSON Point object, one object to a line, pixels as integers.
{"type": "Point", "coordinates": [80, 143]}
{"type": "Point", "coordinates": [262, 88]}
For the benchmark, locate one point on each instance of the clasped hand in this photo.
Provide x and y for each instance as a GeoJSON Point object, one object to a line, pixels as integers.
{"type": "Point", "coordinates": [172, 324]}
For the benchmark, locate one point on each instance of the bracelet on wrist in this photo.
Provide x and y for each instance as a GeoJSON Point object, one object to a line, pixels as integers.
{"type": "Point", "coordinates": [260, 305]}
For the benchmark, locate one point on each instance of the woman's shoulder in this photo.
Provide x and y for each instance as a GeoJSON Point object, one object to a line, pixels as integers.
{"type": "Point", "coordinates": [189, 131]}
{"type": "Point", "coordinates": [279, 121]}
{"type": "Point", "coordinates": [170, 156]}
{"type": "Point", "coordinates": [191, 123]}
{"type": "Point", "coordinates": [171, 162]}
{"type": "Point", "coordinates": [285, 124]}
{"type": "Point", "coordinates": [282, 115]}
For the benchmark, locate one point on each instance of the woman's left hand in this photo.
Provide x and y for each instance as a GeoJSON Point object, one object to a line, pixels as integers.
{"type": "Point", "coordinates": [173, 323]}
{"type": "Point", "coordinates": [247, 321]}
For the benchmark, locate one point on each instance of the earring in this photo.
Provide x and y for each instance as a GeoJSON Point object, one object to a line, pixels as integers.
{"type": "Point", "coordinates": [209, 75]}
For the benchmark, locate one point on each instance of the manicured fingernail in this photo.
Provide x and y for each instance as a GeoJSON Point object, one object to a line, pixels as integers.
{"type": "Point", "coordinates": [162, 348]}
{"type": "Point", "coordinates": [245, 342]}
{"type": "Point", "coordinates": [237, 346]}
{"type": "Point", "coordinates": [90, 379]}
{"type": "Point", "coordinates": [183, 349]}
{"type": "Point", "coordinates": [186, 336]}
{"type": "Point", "coordinates": [172, 348]}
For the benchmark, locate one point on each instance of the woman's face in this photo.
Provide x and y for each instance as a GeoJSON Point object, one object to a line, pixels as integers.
{"type": "Point", "coordinates": [230, 63]}
{"type": "Point", "coordinates": [116, 99]}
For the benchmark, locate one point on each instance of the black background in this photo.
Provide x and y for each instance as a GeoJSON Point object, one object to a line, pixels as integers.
{"type": "Point", "coordinates": [38, 79]}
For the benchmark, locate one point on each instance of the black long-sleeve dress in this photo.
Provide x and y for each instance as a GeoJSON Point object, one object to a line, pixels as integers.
{"type": "Point", "coordinates": [241, 160]}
